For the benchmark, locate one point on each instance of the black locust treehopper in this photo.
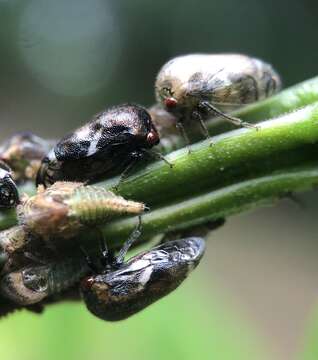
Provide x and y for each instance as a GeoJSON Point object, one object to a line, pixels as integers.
{"type": "Point", "coordinates": [122, 289]}
{"type": "Point", "coordinates": [196, 86]}
{"type": "Point", "coordinates": [109, 144]}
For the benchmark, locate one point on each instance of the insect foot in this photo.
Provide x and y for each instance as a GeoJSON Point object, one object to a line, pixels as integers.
{"type": "Point", "coordinates": [197, 86]}
{"type": "Point", "coordinates": [125, 288]}
{"type": "Point", "coordinates": [9, 196]}
{"type": "Point", "coordinates": [66, 207]}
{"type": "Point", "coordinates": [102, 148]}
{"type": "Point", "coordinates": [23, 152]}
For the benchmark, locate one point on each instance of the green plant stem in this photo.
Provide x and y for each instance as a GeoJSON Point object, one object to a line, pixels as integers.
{"type": "Point", "coordinates": [229, 200]}
{"type": "Point", "coordinates": [245, 165]}
{"type": "Point", "coordinates": [235, 156]}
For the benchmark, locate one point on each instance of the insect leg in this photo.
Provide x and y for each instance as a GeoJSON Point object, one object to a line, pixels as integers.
{"type": "Point", "coordinates": [107, 258]}
{"type": "Point", "coordinates": [196, 115]}
{"type": "Point", "coordinates": [104, 249]}
{"type": "Point", "coordinates": [158, 155]}
{"type": "Point", "coordinates": [125, 172]}
{"type": "Point", "coordinates": [234, 120]}
{"type": "Point", "coordinates": [181, 128]}
{"type": "Point", "coordinates": [89, 260]}
{"type": "Point", "coordinates": [132, 238]}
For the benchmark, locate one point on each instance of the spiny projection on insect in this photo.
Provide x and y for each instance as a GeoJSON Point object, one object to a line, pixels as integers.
{"type": "Point", "coordinates": [197, 86]}
{"type": "Point", "coordinates": [110, 143]}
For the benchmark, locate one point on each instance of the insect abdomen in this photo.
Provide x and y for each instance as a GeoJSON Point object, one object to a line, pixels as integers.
{"type": "Point", "coordinates": [63, 275]}
{"type": "Point", "coordinates": [92, 204]}
{"type": "Point", "coordinates": [244, 83]}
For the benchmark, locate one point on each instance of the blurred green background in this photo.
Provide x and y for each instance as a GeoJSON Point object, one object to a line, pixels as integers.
{"type": "Point", "coordinates": [255, 294]}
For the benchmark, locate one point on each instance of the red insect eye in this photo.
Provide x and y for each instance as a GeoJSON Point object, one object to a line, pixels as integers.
{"type": "Point", "coordinates": [87, 283]}
{"type": "Point", "coordinates": [171, 102]}
{"type": "Point", "coordinates": [153, 138]}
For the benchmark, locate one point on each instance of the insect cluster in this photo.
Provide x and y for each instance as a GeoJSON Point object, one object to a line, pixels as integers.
{"type": "Point", "coordinates": [43, 260]}
{"type": "Point", "coordinates": [32, 272]}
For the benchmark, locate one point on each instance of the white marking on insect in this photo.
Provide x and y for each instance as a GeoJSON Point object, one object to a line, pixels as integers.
{"type": "Point", "coordinates": [145, 275]}
{"type": "Point", "coordinates": [51, 155]}
{"type": "Point", "coordinates": [3, 173]}
{"type": "Point", "coordinates": [82, 133]}
{"type": "Point", "coordinates": [93, 143]}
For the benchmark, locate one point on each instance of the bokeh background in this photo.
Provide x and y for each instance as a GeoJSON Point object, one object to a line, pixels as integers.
{"type": "Point", "coordinates": [255, 294]}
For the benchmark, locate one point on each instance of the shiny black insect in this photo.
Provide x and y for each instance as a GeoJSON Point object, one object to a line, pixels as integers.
{"type": "Point", "coordinates": [124, 288]}
{"type": "Point", "coordinates": [9, 196]}
{"type": "Point", "coordinates": [110, 143]}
